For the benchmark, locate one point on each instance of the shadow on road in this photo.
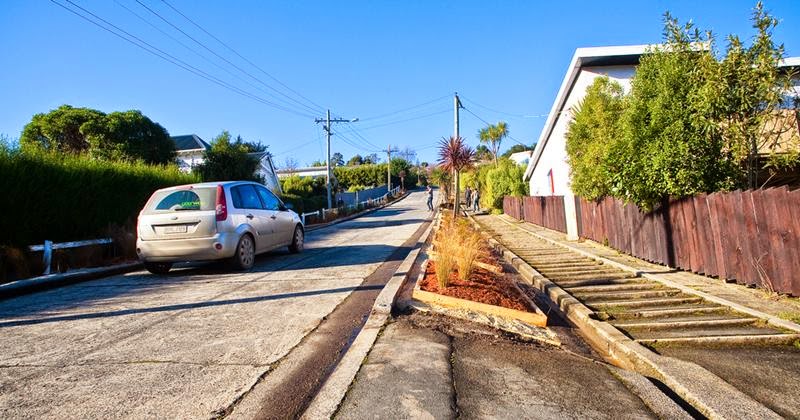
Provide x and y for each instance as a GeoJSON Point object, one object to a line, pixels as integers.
{"type": "Point", "coordinates": [184, 306]}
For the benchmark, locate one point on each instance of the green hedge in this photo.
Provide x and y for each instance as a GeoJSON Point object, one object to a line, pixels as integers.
{"type": "Point", "coordinates": [64, 197]}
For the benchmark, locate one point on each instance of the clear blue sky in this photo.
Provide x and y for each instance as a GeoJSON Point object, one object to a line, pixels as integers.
{"type": "Point", "coordinates": [360, 59]}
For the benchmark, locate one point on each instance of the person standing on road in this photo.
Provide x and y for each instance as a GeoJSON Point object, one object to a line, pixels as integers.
{"type": "Point", "coordinates": [429, 190]}
{"type": "Point", "coordinates": [467, 196]}
{"type": "Point", "coordinates": [476, 198]}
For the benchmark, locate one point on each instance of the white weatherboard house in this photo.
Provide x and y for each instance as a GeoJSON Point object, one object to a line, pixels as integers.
{"type": "Point", "coordinates": [547, 172]}
{"type": "Point", "coordinates": [189, 150]}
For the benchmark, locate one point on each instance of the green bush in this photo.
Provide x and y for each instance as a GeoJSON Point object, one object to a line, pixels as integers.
{"type": "Point", "coordinates": [500, 181]}
{"type": "Point", "coordinates": [64, 197]}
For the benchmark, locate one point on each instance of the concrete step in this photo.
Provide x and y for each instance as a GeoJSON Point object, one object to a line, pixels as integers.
{"type": "Point", "coordinates": [587, 276]}
{"type": "Point", "coordinates": [615, 287]}
{"type": "Point", "coordinates": [710, 331]}
{"type": "Point", "coordinates": [644, 303]}
{"type": "Point", "coordinates": [695, 322]}
{"type": "Point", "coordinates": [734, 340]}
{"type": "Point", "coordinates": [544, 260]}
{"type": "Point", "coordinates": [667, 311]}
{"type": "Point", "coordinates": [586, 264]}
{"type": "Point", "coordinates": [576, 271]}
{"type": "Point", "coordinates": [599, 282]}
{"type": "Point", "coordinates": [614, 296]}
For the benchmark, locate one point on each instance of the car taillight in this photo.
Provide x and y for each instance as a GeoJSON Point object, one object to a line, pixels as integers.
{"type": "Point", "coordinates": [222, 205]}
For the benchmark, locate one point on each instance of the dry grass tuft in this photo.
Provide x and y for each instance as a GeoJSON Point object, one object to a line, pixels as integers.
{"type": "Point", "coordinates": [457, 246]}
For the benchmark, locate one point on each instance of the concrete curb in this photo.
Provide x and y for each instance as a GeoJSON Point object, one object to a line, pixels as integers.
{"type": "Point", "coordinates": [51, 281]}
{"type": "Point", "coordinates": [706, 392]}
{"type": "Point", "coordinates": [355, 215]}
{"type": "Point", "coordinates": [770, 319]}
{"type": "Point", "coordinates": [332, 393]}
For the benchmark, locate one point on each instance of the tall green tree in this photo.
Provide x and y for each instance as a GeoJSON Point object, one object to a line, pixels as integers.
{"type": "Point", "coordinates": [337, 159]}
{"type": "Point", "coordinates": [129, 135]}
{"type": "Point", "coordinates": [355, 160]}
{"type": "Point", "coordinates": [228, 161]}
{"type": "Point", "coordinates": [493, 135]}
{"type": "Point", "coordinates": [60, 129]}
{"type": "Point", "coordinates": [595, 128]}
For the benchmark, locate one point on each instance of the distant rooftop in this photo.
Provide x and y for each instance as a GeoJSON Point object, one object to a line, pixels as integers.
{"type": "Point", "coordinates": [189, 142]}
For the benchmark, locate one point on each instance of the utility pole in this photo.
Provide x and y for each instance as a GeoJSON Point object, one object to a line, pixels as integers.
{"type": "Point", "coordinates": [456, 107]}
{"type": "Point", "coordinates": [327, 128]}
{"type": "Point", "coordinates": [389, 168]}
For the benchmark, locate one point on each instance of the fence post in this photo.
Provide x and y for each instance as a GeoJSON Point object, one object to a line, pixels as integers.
{"type": "Point", "coordinates": [47, 255]}
{"type": "Point", "coordinates": [571, 216]}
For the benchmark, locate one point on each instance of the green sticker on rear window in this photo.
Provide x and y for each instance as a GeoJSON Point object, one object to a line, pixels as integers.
{"type": "Point", "coordinates": [191, 205]}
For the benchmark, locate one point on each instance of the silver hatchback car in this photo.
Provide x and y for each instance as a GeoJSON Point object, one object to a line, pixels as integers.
{"type": "Point", "coordinates": [213, 221]}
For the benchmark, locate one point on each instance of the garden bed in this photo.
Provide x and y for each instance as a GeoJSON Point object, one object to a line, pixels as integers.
{"type": "Point", "coordinates": [476, 286]}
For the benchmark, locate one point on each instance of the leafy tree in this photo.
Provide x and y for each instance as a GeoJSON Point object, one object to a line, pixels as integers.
{"type": "Point", "coordinates": [355, 161]}
{"type": "Point", "coordinates": [60, 129]}
{"type": "Point", "coordinates": [493, 135]}
{"type": "Point", "coordinates": [501, 180]}
{"type": "Point", "coordinates": [372, 158]}
{"type": "Point", "coordinates": [129, 135]}
{"type": "Point", "coordinates": [482, 153]}
{"type": "Point", "coordinates": [228, 161]}
{"type": "Point", "coordinates": [594, 129]}
{"type": "Point", "coordinates": [317, 163]}
{"type": "Point", "coordinates": [337, 159]}
{"type": "Point", "coordinates": [252, 146]}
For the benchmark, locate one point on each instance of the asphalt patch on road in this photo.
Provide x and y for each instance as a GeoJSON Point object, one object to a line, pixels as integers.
{"type": "Point", "coordinates": [297, 378]}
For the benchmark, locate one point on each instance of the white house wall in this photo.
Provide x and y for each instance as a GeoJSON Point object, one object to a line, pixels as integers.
{"type": "Point", "coordinates": [554, 155]}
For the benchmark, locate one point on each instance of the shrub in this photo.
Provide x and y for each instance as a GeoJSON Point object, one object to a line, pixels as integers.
{"type": "Point", "coordinates": [469, 247]}
{"type": "Point", "coordinates": [500, 181]}
{"type": "Point", "coordinates": [64, 197]}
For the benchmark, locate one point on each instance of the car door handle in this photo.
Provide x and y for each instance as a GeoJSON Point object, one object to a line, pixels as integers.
{"type": "Point", "coordinates": [249, 216]}
{"type": "Point", "coordinates": [273, 217]}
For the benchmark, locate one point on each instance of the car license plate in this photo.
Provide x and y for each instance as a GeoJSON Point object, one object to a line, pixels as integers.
{"type": "Point", "coordinates": [175, 229]}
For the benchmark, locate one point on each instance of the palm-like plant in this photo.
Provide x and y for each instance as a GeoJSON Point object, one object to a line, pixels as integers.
{"type": "Point", "coordinates": [454, 156]}
{"type": "Point", "coordinates": [493, 135]}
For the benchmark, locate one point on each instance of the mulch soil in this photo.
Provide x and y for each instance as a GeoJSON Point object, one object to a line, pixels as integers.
{"type": "Point", "coordinates": [482, 286]}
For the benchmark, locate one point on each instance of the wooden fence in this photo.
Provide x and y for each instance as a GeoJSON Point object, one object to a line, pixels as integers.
{"type": "Point", "coordinates": [547, 211]}
{"type": "Point", "coordinates": [751, 237]}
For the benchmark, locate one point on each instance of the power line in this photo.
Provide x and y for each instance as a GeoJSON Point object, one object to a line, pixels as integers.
{"type": "Point", "coordinates": [319, 107]}
{"type": "Point", "coordinates": [376, 117]}
{"type": "Point", "coordinates": [144, 45]}
{"type": "Point", "coordinates": [488, 123]}
{"type": "Point", "coordinates": [406, 120]}
{"type": "Point", "coordinates": [212, 62]}
{"type": "Point", "coordinates": [311, 109]}
{"type": "Point", "coordinates": [503, 112]}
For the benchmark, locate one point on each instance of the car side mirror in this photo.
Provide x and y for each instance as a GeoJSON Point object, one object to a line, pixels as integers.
{"type": "Point", "coordinates": [287, 206]}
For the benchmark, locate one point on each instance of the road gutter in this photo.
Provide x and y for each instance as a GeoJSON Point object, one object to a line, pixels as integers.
{"type": "Point", "coordinates": [333, 391]}
{"type": "Point", "coordinates": [706, 392]}
{"type": "Point", "coordinates": [52, 281]}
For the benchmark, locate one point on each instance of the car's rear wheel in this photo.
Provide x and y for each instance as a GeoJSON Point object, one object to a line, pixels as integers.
{"type": "Point", "coordinates": [158, 267]}
{"type": "Point", "coordinates": [245, 254]}
{"type": "Point", "coordinates": [297, 240]}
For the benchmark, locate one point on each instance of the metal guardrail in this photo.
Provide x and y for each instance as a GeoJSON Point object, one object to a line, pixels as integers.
{"type": "Point", "coordinates": [48, 247]}
{"type": "Point", "coordinates": [322, 213]}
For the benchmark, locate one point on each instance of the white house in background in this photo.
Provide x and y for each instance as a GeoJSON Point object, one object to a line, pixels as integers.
{"type": "Point", "coordinates": [189, 150]}
{"type": "Point", "coordinates": [547, 172]}
{"type": "Point", "coordinates": [522, 158]}
{"type": "Point", "coordinates": [311, 171]}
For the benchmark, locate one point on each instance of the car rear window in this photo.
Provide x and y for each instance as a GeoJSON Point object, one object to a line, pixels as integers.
{"type": "Point", "coordinates": [182, 200]}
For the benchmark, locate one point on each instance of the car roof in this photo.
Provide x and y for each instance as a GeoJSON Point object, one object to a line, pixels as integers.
{"type": "Point", "coordinates": [206, 185]}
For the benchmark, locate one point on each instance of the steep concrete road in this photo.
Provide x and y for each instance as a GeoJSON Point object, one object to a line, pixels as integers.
{"type": "Point", "coordinates": [189, 344]}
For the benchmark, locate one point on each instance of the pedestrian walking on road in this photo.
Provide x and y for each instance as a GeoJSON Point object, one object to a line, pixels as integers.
{"type": "Point", "coordinates": [476, 198]}
{"type": "Point", "coordinates": [429, 190]}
